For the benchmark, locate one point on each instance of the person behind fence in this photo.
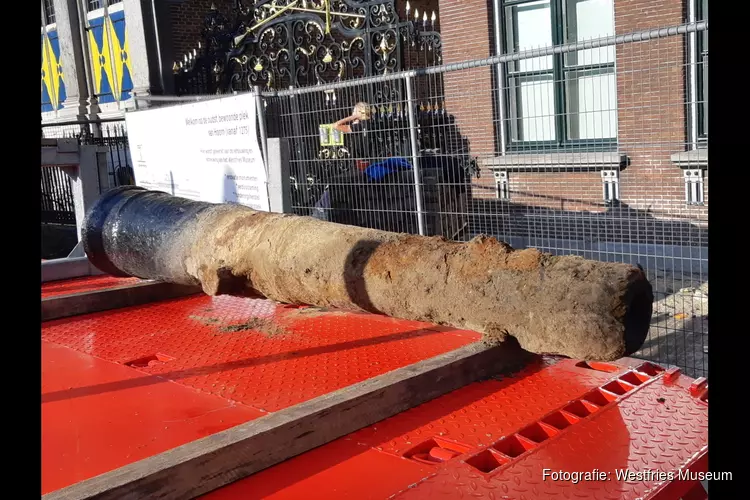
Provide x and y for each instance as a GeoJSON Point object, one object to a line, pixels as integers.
{"type": "Point", "coordinates": [359, 123]}
{"type": "Point", "coordinates": [363, 145]}
{"type": "Point", "coordinates": [354, 122]}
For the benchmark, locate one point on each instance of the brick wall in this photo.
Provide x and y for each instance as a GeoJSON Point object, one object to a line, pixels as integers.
{"type": "Point", "coordinates": [186, 22]}
{"type": "Point", "coordinates": [466, 32]}
{"type": "Point", "coordinates": [651, 95]}
{"type": "Point", "coordinates": [559, 191]}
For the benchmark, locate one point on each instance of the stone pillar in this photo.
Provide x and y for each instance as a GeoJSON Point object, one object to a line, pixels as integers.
{"type": "Point", "coordinates": [134, 12]}
{"type": "Point", "coordinates": [144, 49]}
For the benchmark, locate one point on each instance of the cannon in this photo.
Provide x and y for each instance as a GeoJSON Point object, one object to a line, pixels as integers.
{"type": "Point", "coordinates": [564, 305]}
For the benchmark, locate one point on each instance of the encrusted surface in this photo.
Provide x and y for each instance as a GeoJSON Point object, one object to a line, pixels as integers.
{"type": "Point", "coordinates": [551, 304]}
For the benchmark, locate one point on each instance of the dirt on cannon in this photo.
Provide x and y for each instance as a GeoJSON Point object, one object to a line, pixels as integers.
{"type": "Point", "coordinates": [551, 304]}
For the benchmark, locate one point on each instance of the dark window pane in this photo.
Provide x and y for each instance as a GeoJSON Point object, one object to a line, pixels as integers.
{"type": "Point", "coordinates": [49, 12]}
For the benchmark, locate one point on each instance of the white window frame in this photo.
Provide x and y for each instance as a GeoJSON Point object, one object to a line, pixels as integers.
{"type": "Point", "coordinates": [105, 7]}
{"type": "Point", "coordinates": [696, 140]}
{"type": "Point", "coordinates": [563, 144]}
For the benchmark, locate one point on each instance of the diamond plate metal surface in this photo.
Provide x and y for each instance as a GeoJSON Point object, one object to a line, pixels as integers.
{"type": "Point", "coordinates": [655, 426]}
{"type": "Point", "coordinates": [269, 356]}
{"type": "Point", "coordinates": [481, 413]}
{"type": "Point", "coordinates": [88, 430]}
{"type": "Point", "coordinates": [84, 284]}
{"type": "Point", "coordinates": [255, 352]}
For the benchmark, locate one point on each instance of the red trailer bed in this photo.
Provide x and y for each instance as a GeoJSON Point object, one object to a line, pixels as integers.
{"type": "Point", "coordinates": [130, 384]}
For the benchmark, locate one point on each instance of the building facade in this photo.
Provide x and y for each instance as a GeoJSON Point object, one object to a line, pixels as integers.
{"type": "Point", "coordinates": [593, 130]}
{"type": "Point", "coordinates": [96, 54]}
{"type": "Point", "coordinates": [638, 110]}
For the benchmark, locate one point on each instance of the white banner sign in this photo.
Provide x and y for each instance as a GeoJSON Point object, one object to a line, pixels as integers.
{"type": "Point", "coordinates": [204, 151]}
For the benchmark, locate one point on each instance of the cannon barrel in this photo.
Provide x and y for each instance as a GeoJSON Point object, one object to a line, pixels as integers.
{"type": "Point", "coordinates": [562, 305]}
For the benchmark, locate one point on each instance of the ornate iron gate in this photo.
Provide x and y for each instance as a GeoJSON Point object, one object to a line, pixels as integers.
{"type": "Point", "coordinates": [277, 44]}
{"type": "Point", "coordinates": [281, 44]}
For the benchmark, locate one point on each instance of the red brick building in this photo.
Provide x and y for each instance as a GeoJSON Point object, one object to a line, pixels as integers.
{"type": "Point", "coordinates": [649, 118]}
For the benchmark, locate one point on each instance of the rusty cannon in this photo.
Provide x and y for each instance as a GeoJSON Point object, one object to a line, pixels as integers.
{"type": "Point", "coordinates": [564, 305]}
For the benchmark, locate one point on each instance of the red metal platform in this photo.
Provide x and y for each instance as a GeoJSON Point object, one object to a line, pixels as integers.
{"type": "Point", "coordinates": [95, 431]}
{"type": "Point", "coordinates": [104, 372]}
{"type": "Point", "coordinates": [122, 385]}
{"type": "Point", "coordinates": [495, 439]}
{"type": "Point", "coordinates": [84, 284]}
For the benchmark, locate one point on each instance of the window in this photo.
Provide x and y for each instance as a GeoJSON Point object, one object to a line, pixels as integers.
{"type": "Point", "coordinates": [565, 99]}
{"type": "Point", "coordinates": [48, 10]}
{"type": "Point", "coordinates": [702, 72]}
{"type": "Point", "coordinates": [100, 4]}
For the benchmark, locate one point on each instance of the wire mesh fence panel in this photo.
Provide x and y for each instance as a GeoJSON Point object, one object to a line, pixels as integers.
{"type": "Point", "coordinates": [572, 140]}
{"type": "Point", "coordinates": [594, 146]}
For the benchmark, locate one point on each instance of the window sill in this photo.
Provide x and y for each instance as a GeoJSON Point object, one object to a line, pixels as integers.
{"type": "Point", "coordinates": [557, 162]}
{"type": "Point", "coordinates": [696, 158]}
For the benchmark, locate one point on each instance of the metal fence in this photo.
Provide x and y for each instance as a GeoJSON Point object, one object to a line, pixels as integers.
{"type": "Point", "coordinates": [57, 196]}
{"type": "Point", "coordinates": [594, 148]}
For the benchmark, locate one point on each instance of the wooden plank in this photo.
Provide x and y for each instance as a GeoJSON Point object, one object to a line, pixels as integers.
{"type": "Point", "coordinates": [63, 306]}
{"type": "Point", "coordinates": [201, 466]}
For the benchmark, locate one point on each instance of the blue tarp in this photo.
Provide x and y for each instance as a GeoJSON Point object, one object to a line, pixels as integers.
{"type": "Point", "coordinates": [377, 171]}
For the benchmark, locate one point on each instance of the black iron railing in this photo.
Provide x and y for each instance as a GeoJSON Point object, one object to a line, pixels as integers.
{"type": "Point", "coordinates": [57, 195]}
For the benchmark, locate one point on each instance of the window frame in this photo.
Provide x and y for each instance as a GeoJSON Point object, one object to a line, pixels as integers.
{"type": "Point", "coordinates": [559, 71]}
{"type": "Point", "coordinates": [48, 13]}
{"type": "Point", "coordinates": [701, 74]}
{"type": "Point", "coordinates": [102, 4]}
